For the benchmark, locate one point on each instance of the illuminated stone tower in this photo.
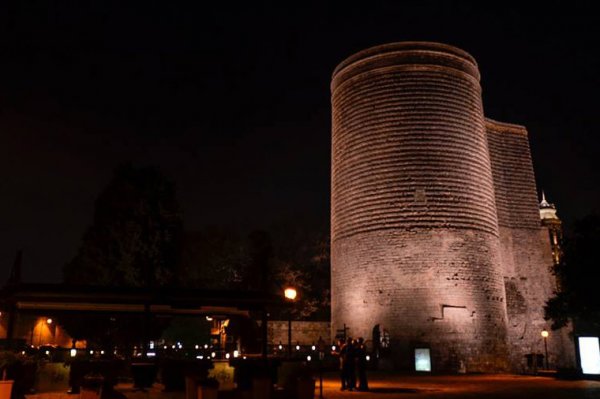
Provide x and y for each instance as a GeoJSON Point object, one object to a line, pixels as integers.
{"type": "Point", "coordinates": [435, 225]}
{"type": "Point", "coordinates": [414, 227]}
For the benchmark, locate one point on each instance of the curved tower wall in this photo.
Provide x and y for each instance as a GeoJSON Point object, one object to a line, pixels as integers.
{"type": "Point", "coordinates": [415, 245]}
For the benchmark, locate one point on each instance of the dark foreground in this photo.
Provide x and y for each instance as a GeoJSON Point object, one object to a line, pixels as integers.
{"type": "Point", "coordinates": [395, 386]}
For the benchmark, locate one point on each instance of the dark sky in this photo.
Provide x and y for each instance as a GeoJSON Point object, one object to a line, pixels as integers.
{"type": "Point", "coordinates": [232, 102]}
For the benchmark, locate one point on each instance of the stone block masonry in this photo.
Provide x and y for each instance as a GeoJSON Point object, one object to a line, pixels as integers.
{"type": "Point", "coordinates": [303, 332]}
{"type": "Point", "coordinates": [525, 249]}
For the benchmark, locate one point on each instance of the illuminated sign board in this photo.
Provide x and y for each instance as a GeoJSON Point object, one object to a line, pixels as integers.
{"type": "Point", "coordinates": [422, 359]}
{"type": "Point", "coordinates": [589, 353]}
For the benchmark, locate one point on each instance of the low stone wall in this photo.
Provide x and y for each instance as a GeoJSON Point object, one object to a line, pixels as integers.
{"type": "Point", "coordinates": [303, 332]}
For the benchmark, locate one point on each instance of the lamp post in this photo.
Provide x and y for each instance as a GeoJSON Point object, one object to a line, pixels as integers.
{"type": "Point", "coordinates": [290, 295]}
{"type": "Point", "coordinates": [545, 336]}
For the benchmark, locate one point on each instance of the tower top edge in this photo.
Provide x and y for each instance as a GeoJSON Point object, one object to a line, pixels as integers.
{"type": "Point", "coordinates": [505, 127]}
{"type": "Point", "coordinates": [406, 49]}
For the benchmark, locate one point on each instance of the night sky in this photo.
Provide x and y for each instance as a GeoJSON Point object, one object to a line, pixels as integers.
{"type": "Point", "coordinates": [232, 102]}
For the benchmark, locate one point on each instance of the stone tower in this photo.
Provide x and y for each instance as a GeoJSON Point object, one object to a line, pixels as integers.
{"type": "Point", "coordinates": [414, 228]}
{"type": "Point", "coordinates": [435, 226]}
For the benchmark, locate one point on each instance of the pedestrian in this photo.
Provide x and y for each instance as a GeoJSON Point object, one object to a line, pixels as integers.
{"type": "Point", "coordinates": [349, 368]}
{"type": "Point", "coordinates": [361, 363]}
{"type": "Point", "coordinates": [341, 353]}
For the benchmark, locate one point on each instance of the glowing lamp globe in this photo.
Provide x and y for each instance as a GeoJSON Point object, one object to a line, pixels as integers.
{"type": "Point", "coordinates": [290, 293]}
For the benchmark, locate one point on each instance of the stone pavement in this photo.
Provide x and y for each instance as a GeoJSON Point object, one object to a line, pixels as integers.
{"type": "Point", "coordinates": [399, 386]}
{"type": "Point", "coordinates": [503, 386]}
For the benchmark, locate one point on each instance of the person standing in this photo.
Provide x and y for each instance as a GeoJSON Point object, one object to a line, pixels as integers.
{"type": "Point", "coordinates": [341, 351]}
{"type": "Point", "coordinates": [361, 363]}
{"type": "Point", "coordinates": [349, 367]}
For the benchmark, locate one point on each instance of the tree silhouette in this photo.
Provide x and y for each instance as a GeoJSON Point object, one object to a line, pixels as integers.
{"type": "Point", "coordinates": [578, 298]}
{"type": "Point", "coordinates": [135, 237]}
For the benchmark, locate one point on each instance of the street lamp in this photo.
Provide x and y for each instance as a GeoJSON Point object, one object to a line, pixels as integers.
{"type": "Point", "coordinates": [290, 294]}
{"type": "Point", "coordinates": [545, 336]}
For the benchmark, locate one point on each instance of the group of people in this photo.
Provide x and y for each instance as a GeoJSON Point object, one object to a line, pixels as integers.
{"type": "Point", "coordinates": [353, 361]}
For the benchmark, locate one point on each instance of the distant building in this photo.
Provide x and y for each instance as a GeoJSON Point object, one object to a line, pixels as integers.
{"type": "Point", "coordinates": [553, 223]}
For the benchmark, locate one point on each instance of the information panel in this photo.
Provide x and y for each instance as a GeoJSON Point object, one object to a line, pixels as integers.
{"type": "Point", "coordinates": [422, 359]}
{"type": "Point", "coordinates": [589, 353]}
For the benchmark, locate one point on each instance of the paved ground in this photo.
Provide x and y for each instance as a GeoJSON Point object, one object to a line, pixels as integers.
{"type": "Point", "coordinates": [397, 386]}
{"type": "Point", "coordinates": [393, 386]}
